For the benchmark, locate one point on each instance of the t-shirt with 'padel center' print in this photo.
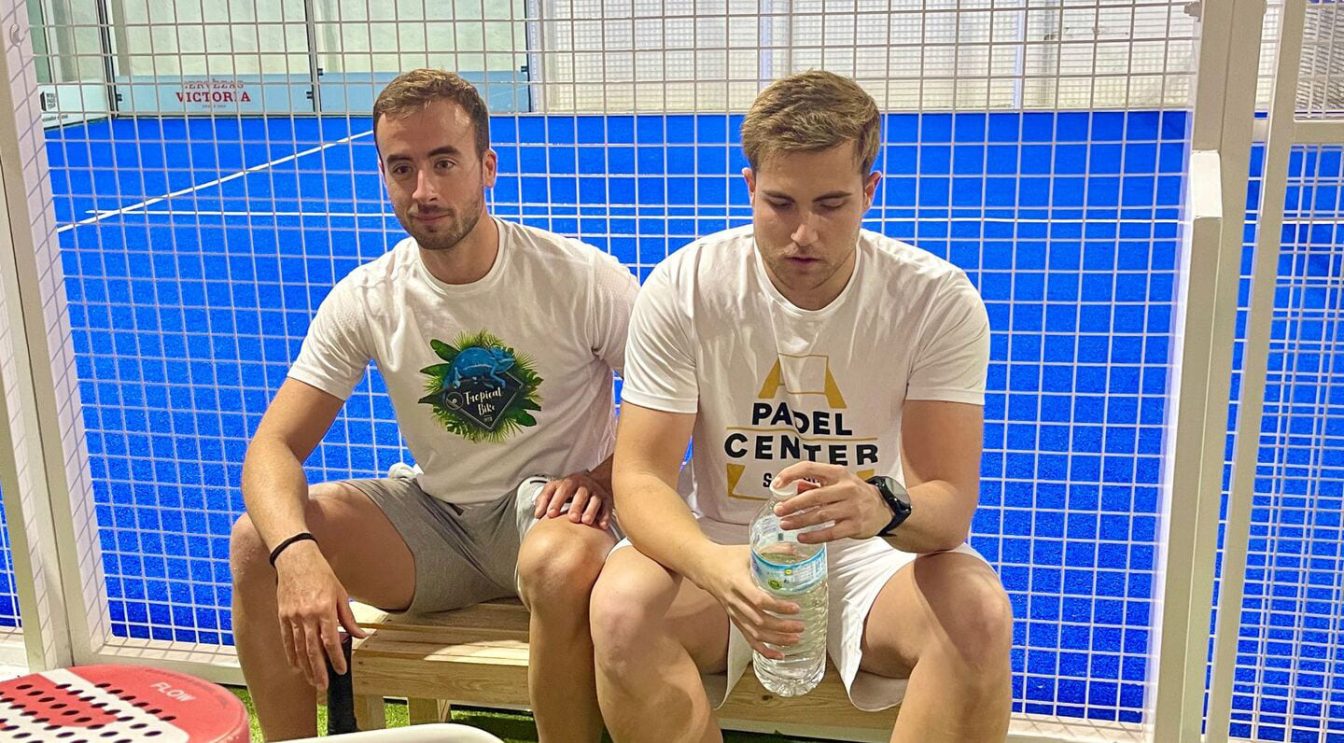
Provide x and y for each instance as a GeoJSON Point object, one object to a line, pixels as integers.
{"type": "Point", "coordinates": [772, 384]}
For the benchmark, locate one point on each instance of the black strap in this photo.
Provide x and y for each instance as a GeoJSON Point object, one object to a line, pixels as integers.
{"type": "Point", "coordinates": [301, 536]}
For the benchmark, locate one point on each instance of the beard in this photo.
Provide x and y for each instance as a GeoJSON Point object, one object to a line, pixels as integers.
{"type": "Point", "coordinates": [448, 231]}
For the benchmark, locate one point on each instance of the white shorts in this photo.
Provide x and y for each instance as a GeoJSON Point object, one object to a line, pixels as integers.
{"type": "Point", "coordinates": [857, 571]}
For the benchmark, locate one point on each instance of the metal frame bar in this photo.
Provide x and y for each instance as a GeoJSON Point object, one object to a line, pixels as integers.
{"type": "Point", "coordinates": [314, 68]}
{"type": "Point", "coordinates": [59, 554]}
{"type": "Point", "coordinates": [1311, 131]}
{"type": "Point", "coordinates": [105, 30]}
{"type": "Point", "coordinates": [30, 450]}
{"type": "Point", "coordinates": [533, 17]}
{"type": "Point", "coordinates": [1283, 130]}
{"type": "Point", "coordinates": [1202, 364]}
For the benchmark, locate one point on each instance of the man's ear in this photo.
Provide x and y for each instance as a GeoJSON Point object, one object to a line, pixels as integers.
{"type": "Point", "coordinates": [870, 188]}
{"type": "Point", "coordinates": [750, 177]}
{"type": "Point", "coordinates": [490, 167]}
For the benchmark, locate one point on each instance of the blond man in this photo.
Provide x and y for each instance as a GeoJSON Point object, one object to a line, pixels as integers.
{"type": "Point", "coordinates": [804, 347]}
{"type": "Point", "coordinates": [497, 343]}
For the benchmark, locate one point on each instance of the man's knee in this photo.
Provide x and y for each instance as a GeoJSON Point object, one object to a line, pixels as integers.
{"type": "Point", "coordinates": [247, 551]}
{"type": "Point", "coordinates": [621, 621]}
{"type": "Point", "coordinates": [249, 555]}
{"type": "Point", "coordinates": [557, 567]}
{"type": "Point", "coordinates": [981, 634]}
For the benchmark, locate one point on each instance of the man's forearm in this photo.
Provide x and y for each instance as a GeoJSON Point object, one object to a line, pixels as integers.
{"type": "Point", "coordinates": [660, 524]}
{"type": "Point", "coordinates": [938, 519]}
{"type": "Point", "coordinates": [275, 490]}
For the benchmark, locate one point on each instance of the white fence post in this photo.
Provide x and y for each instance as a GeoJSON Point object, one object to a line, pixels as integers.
{"type": "Point", "coordinates": [43, 462]}
{"type": "Point", "coordinates": [1202, 365]}
{"type": "Point", "coordinates": [1284, 130]}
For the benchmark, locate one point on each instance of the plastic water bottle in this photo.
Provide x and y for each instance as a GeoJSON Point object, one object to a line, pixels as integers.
{"type": "Point", "coordinates": [796, 572]}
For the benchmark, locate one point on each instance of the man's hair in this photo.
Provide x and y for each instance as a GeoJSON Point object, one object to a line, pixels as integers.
{"type": "Point", "coordinates": [414, 90]}
{"type": "Point", "coordinates": [809, 112]}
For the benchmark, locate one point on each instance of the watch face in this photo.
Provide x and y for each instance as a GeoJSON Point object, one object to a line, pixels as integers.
{"type": "Point", "coordinates": [892, 490]}
{"type": "Point", "coordinates": [896, 498]}
{"type": "Point", "coordinates": [901, 494]}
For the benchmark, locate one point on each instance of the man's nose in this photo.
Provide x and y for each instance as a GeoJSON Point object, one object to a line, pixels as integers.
{"type": "Point", "coordinates": [425, 189]}
{"type": "Point", "coordinates": [806, 231]}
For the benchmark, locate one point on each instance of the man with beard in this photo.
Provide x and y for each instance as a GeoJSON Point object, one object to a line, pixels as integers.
{"type": "Point", "coordinates": [497, 343]}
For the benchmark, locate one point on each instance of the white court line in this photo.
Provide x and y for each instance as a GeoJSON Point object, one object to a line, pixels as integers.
{"type": "Point", "coordinates": [100, 215]}
{"type": "Point", "coordinates": [204, 213]}
{"type": "Point", "coordinates": [390, 215]}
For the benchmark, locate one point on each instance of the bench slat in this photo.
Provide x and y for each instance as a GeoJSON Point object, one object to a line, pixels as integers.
{"type": "Point", "coordinates": [475, 654]}
{"type": "Point", "coordinates": [478, 656]}
{"type": "Point", "coordinates": [478, 684]}
{"type": "Point", "coordinates": [826, 705]}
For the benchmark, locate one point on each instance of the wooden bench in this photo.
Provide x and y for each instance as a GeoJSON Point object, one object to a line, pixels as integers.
{"type": "Point", "coordinates": [478, 656]}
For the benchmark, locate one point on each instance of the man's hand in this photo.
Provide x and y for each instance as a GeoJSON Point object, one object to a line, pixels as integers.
{"type": "Point", "coordinates": [749, 607]}
{"type": "Point", "coordinates": [855, 506]}
{"type": "Point", "coordinates": [589, 500]}
{"type": "Point", "coordinates": [313, 606]}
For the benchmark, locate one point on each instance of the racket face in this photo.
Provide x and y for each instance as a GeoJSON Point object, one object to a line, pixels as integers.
{"type": "Point", "coordinates": [119, 704]}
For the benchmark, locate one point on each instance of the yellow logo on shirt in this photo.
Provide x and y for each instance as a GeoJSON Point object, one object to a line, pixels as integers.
{"type": "Point", "coordinates": [807, 375]}
{"type": "Point", "coordinates": [785, 426]}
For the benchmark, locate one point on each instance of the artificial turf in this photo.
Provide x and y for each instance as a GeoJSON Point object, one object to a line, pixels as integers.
{"type": "Point", "coordinates": [512, 727]}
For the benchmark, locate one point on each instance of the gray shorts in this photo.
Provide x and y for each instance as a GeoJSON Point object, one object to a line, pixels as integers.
{"type": "Point", "coordinates": [464, 554]}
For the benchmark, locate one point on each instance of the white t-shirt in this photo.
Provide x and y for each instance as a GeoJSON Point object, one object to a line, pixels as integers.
{"type": "Point", "coordinates": [773, 384]}
{"type": "Point", "coordinates": [491, 381]}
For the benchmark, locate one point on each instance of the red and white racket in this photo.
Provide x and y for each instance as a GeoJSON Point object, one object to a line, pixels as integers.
{"type": "Point", "coordinates": [119, 704]}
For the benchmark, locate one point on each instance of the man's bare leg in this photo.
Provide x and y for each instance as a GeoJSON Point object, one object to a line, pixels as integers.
{"type": "Point", "coordinates": [947, 624]}
{"type": "Point", "coordinates": [367, 555]}
{"type": "Point", "coordinates": [557, 566]}
{"type": "Point", "coordinates": [653, 635]}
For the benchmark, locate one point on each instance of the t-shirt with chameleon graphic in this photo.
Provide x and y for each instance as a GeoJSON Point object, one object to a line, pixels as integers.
{"type": "Point", "coordinates": [491, 381]}
{"type": "Point", "coordinates": [772, 384]}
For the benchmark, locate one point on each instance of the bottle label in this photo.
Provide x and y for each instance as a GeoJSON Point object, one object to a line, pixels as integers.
{"type": "Point", "coordinates": [784, 576]}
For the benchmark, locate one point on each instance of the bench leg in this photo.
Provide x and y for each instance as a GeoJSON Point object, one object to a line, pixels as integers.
{"type": "Point", "coordinates": [428, 711]}
{"type": "Point", "coordinates": [369, 712]}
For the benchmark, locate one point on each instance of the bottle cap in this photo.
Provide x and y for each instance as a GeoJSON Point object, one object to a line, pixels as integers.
{"type": "Point", "coordinates": [783, 491]}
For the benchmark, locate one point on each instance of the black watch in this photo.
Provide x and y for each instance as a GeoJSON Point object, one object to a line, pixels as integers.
{"type": "Point", "coordinates": [897, 499]}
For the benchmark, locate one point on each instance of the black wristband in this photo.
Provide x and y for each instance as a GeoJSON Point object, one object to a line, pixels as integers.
{"type": "Point", "coordinates": [301, 536]}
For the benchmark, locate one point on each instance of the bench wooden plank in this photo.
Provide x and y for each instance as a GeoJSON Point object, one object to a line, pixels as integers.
{"type": "Point", "coordinates": [478, 656]}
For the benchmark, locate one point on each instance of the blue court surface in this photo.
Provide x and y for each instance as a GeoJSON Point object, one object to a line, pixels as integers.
{"type": "Point", "coordinates": [197, 250]}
